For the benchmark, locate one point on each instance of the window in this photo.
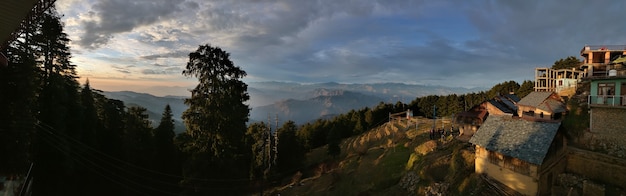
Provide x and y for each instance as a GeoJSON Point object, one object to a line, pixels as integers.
{"type": "Point", "coordinates": [517, 165]}
{"type": "Point", "coordinates": [495, 158]}
{"type": "Point", "coordinates": [606, 88]}
{"type": "Point", "coordinates": [529, 113]}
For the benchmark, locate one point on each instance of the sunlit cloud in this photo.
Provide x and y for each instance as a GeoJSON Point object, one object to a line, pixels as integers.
{"type": "Point", "coordinates": [467, 44]}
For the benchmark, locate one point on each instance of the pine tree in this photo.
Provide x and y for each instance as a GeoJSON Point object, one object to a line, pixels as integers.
{"type": "Point", "coordinates": [292, 153]}
{"type": "Point", "coordinates": [257, 135]}
{"type": "Point", "coordinates": [59, 110]}
{"type": "Point", "coordinates": [526, 88]}
{"type": "Point", "coordinates": [164, 139]}
{"type": "Point", "coordinates": [216, 117]}
{"type": "Point", "coordinates": [167, 158]}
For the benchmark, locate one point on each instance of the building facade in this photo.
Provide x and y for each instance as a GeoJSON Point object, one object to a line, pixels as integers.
{"type": "Point", "coordinates": [545, 106]}
{"type": "Point", "coordinates": [469, 121]}
{"type": "Point", "coordinates": [525, 151]}
{"type": "Point", "coordinates": [562, 81]}
{"type": "Point", "coordinates": [607, 104]}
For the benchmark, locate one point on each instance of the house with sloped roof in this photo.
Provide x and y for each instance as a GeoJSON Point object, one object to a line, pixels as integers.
{"type": "Point", "coordinates": [469, 121]}
{"type": "Point", "coordinates": [522, 154]}
{"type": "Point", "coordinates": [545, 106]}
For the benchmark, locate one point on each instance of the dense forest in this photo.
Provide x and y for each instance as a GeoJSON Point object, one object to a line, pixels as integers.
{"type": "Point", "coordinates": [81, 143]}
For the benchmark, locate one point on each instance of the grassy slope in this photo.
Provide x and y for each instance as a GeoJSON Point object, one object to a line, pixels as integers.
{"type": "Point", "coordinates": [374, 162]}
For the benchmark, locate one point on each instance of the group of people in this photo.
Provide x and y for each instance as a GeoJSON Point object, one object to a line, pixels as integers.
{"type": "Point", "coordinates": [440, 133]}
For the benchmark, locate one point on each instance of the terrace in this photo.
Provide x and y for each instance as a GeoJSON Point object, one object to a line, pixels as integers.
{"type": "Point", "coordinates": [607, 100]}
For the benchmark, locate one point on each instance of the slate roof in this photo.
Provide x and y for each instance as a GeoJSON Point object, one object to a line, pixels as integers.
{"type": "Point", "coordinates": [552, 105]}
{"type": "Point", "coordinates": [541, 100]}
{"type": "Point", "coordinates": [514, 137]}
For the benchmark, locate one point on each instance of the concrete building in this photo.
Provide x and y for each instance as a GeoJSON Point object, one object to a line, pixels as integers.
{"type": "Point", "coordinates": [607, 103]}
{"type": "Point", "coordinates": [597, 59]}
{"type": "Point", "coordinates": [561, 81]}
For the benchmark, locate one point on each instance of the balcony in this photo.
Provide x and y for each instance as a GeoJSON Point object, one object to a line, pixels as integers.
{"type": "Point", "coordinates": [607, 100]}
{"type": "Point", "coordinates": [605, 71]}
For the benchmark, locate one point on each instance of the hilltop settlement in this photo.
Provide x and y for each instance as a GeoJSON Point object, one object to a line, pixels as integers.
{"type": "Point", "coordinates": [566, 137]}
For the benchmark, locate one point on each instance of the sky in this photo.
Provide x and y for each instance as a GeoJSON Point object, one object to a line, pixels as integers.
{"type": "Point", "coordinates": [143, 45]}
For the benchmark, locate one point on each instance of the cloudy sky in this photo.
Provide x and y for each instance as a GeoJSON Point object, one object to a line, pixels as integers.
{"type": "Point", "coordinates": [142, 45]}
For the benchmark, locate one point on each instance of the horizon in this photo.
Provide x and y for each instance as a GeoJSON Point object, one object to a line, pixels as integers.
{"type": "Point", "coordinates": [178, 91]}
{"type": "Point", "coordinates": [143, 45]}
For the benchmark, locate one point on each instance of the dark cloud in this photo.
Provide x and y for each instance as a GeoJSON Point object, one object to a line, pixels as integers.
{"type": "Point", "coordinates": [164, 71]}
{"type": "Point", "coordinates": [478, 43]}
{"type": "Point", "coordinates": [175, 54]}
{"type": "Point", "coordinates": [121, 69]}
{"type": "Point", "coordinates": [116, 16]}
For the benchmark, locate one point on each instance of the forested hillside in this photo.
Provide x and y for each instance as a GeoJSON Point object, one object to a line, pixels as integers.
{"type": "Point", "coordinates": [80, 142]}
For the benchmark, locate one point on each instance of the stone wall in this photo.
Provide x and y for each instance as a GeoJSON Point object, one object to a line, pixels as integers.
{"type": "Point", "coordinates": [608, 132]}
{"type": "Point", "coordinates": [597, 166]}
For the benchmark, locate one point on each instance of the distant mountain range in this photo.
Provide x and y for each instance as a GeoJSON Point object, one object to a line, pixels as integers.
{"type": "Point", "coordinates": [325, 103]}
{"type": "Point", "coordinates": [265, 93]}
{"type": "Point", "coordinates": [298, 102]}
{"type": "Point", "coordinates": [154, 105]}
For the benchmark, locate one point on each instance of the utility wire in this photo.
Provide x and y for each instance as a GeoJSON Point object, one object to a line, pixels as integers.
{"type": "Point", "coordinates": [74, 156]}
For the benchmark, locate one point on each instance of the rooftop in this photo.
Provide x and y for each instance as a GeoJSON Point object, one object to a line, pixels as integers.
{"type": "Point", "coordinates": [603, 48]}
{"type": "Point", "coordinates": [541, 100]}
{"type": "Point", "coordinates": [514, 137]}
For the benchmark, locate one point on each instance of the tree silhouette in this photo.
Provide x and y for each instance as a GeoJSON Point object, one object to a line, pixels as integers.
{"type": "Point", "coordinates": [216, 117]}
{"type": "Point", "coordinates": [567, 63]}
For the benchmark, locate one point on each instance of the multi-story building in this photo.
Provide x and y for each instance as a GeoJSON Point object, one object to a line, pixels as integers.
{"type": "Point", "coordinates": [561, 81]}
{"type": "Point", "coordinates": [607, 95]}
{"type": "Point", "coordinates": [597, 59]}
{"type": "Point", "coordinates": [604, 157]}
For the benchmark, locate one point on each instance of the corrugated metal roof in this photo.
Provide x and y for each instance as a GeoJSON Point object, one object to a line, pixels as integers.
{"type": "Point", "coordinates": [501, 106]}
{"type": "Point", "coordinates": [513, 97]}
{"type": "Point", "coordinates": [514, 137]}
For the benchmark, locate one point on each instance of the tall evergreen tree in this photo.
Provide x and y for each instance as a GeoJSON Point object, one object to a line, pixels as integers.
{"type": "Point", "coordinates": [567, 63]}
{"type": "Point", "coordinates": [216, 117]}
{"type": "Point", "coordinates": [526, 88]}
{"type": "Point", "coordinates": [138, 137]}
{"type": "Point", "coordinates": [167, 158]}
{"type": "Point", "coordinates": [291, 151]}
{"type": "Point", "coordinates": [19, 86]}
{"type": "Point", "coordinates": [164, 141]}
{"type": "Point", "coordinates": [59, 109]}
{"type": "Point", "coordinates": [257, 136]}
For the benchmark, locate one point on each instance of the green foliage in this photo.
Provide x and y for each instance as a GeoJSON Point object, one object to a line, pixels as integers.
{"type": "Point", "coordinates": [257, 135]}
{"type": "Point", "coordinates": [216, 118]}
{"type": "Point", "coordinates": [217, 114]}
{"type": "Point", "coordinates": [526, 88]}
{"type": "Point", "coordinates": [139, 142]}
{"type": "Point", "coordinates": [567, 63]}
{"type": "Point", "coordinates": [18, 103]}
{"type": "Point", "coordinates": [503, 89]}
{"type": "Point", "coordinates": [291, 152]}
{"type": "Point", "coordinates": [167, 159]}
{"type": "Point", "coordinates": [333, 140]}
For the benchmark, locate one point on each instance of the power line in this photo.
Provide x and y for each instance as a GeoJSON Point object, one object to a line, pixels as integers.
{"type": "Point", "coordinates": [88, 147]}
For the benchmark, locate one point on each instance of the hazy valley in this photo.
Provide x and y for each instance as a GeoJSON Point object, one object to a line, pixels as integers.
{"type": "Point", "coordinates": [300, 103]}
